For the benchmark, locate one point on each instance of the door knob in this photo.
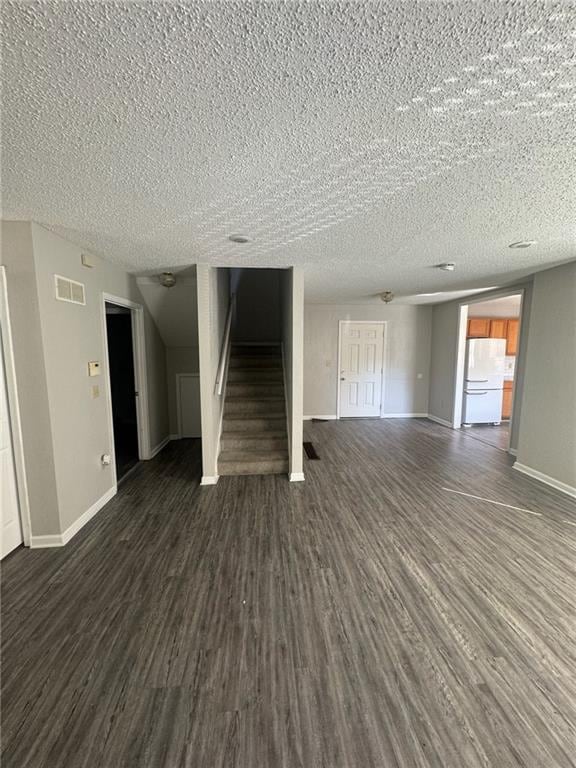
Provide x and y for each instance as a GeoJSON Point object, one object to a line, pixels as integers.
{"type": "Point", "coordinates": [342, 378]}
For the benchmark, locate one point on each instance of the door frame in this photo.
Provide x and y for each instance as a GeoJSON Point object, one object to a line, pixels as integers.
{"type": "Point", "coordinates": [14, 411]}
{"type": "Point", "coordinates": [140, 376]}
{"type": "Point", "coordinates": [384, 324]}
{"type": "Point", "coordinates": [180, 376]}
{"type": "Point", "coordinates": [461, 352]}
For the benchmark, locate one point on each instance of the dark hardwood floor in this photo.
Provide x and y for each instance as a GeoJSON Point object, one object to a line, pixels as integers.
{"type": "Point", "coordinates": [366, 618]}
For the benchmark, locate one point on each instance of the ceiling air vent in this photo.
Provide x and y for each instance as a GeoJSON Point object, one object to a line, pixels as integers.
{"type": "Point", "coordinates": [69, 290]}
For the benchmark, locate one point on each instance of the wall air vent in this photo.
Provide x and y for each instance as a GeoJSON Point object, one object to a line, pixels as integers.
{"type": "Point", "coordinates": [69, 290]}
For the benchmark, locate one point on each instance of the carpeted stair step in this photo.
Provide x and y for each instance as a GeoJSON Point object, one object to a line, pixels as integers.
{"type": "Point", "coordinates": [256, 350]}
{"type": "Point", "coordinates": [254, 441]}
{"type": "Point", "coordinates": [235, 462]}
{"type": "Point", "coordinates": [253, 423]}
{"type": "Point", "coordinates": [255, 389]}
{"type": "Point", "coordinates": [258, 361]}
{"type": "Point", "coordinates": [246, 375]}
{"type": "Point", "coordinates": [266, 406]}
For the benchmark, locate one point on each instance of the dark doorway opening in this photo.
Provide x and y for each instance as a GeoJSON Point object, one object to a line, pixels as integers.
{"type": "Point", "coordinates": [122, 387]}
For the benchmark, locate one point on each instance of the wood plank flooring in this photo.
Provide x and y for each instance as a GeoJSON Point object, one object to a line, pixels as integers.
{"type": "Point", "coordinates": [363, 619]}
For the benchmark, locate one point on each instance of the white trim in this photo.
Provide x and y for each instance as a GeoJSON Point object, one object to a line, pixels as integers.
{"type": "Point", "coordinates": [329, 417]}
{"type": "Point", "coordinates": [59, 540]}
{"type": "Point", "coordinates": [46, 542]}
{"type": "Point", "coordinates": [461, 334]}
{"type": "Point", "coordinates": [296, 477]}
{"type": "Point", "coordinates": [140, 376]}
{"type": "Point", "coordinates": [14, 412]}
{"type": "Point", "coordinates": [209, 479]}
{"type": "Point", "coordinates": [162, 444]}
{"type": "Point", "coordinates": [383, 323]}
{"type": "Point", "coordinates": [403, 415]}
{"type": "Point", "coordinates": [440, 421]}
{"type": "Point", "coordinates": [551, 481]}
{"type": "Point", "coordinates": [179, 376]}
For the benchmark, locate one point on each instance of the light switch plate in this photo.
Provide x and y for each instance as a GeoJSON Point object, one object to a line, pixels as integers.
{"type": "Point", "coordinates": [94, 368]}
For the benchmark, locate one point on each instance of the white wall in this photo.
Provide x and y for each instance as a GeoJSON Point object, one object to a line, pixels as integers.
{"type": "Point", "coordinates": [547, 439]}
{"type": "Point", "coordinates": [62, 338]}
{"type": "Point", "coordinates": [292, 303]}
{"type": "Point", "coordinates": [213, 300]}
{"type": "Point", "coordinates": [407, 355]}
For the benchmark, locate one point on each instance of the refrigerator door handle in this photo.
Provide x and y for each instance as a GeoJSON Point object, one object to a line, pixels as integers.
{"type": "Point", "coordinates": [477, 381]}
{"type": "Point", "coordinates": [475, 392]}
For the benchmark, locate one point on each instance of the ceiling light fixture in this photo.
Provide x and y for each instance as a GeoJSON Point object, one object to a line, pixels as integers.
{"type": "Point", "coordinates": [239, 239]}
{"type": "Point", "coordinates": [449, 266]}
{"type": "Point", "coordinates": [522, 244]}
{"type": "Point", "coordinates": [387, 296]}
{"type": "Point", "coordinates": [167, 279]}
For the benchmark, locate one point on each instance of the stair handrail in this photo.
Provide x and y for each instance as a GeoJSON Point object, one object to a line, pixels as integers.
{"type": "Point", "coordinates": [225, 349]}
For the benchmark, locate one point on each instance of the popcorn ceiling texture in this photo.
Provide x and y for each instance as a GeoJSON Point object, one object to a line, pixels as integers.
{"type": "Point", "coordinates": [367, 141]}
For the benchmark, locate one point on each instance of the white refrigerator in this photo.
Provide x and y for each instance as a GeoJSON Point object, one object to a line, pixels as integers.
{"type": "Point", "coordinates": [484, 381]}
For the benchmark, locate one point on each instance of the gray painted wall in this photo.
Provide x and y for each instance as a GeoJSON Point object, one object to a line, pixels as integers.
{"type": "Point", "coordinates": [59, 340]}
{"type": "Point", "coordinates": [407, 355]}
{"type": "Point", "coordinates": [547, 440]}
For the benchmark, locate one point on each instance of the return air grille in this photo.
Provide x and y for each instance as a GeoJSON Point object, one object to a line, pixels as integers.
{"type": "Point", "coordinates": [69, 290]}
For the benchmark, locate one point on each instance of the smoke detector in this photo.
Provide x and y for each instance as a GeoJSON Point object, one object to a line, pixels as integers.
{"type": "Point", "coordinates": [387, 296]}
{"type": "Point", "coordinates": [449, 266]}
{"type": "Point", "coordinates": [167, 279]}
{"type": "Point", "coordinates": [239, 239]}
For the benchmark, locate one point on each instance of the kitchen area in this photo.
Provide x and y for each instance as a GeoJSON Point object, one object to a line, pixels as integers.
{"type": "Point", "coordinates": [492, 337]}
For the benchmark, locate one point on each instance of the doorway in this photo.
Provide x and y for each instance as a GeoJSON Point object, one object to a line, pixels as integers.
{"type": "Point", "coordinates": [360, 366]}
{"type": "Point", "coordinates": [489, 348]}
{"type": "Point", "coordinates": [123, 387]}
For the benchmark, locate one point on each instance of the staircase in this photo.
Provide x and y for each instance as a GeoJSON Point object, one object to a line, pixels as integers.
{"type": "Point", "coordinates": [254, 439]}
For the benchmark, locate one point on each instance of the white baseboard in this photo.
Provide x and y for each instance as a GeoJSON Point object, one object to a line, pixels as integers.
{"type": "Point", "coordinates": [296, 477]}
{"type": "Point", "coordinates": [331, 417]}
{"type": "Point", "coordinates": [440, 421]}
{"type": "Point", "coordinates": [175, 437]}
{"type": "Point", "coordinates": [209, 479]}
{"type": "Point", "coordinates": [403, 415]}
{"type": "Point", "coordinates": [58, 540]}
{"type": "Point", "coordinates": [551, 481]}
{"type": "Point", "coordinates": [156, 450]}
{"type": "Point", "coordinates": [45, 542]}
{"type": "Point", "coordinates": [513, 451]}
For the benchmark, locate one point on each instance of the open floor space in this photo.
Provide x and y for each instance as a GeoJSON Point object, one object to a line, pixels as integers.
{"type": "Point", "coordinates": [365, 619]}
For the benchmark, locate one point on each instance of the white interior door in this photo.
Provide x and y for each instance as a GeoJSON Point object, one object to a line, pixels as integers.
{"type": "Point", "coordinates": [11, 530]}
{"type": "Point", "coordinates": [189, 400]}
{"type": "Point", "coordinates": [361, 349]}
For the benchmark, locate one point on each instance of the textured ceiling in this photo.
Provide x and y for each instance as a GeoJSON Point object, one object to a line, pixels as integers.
{"type": "Point", "coordinates": [367, 141]}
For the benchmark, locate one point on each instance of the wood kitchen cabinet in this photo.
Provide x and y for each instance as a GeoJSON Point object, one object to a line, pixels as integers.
{"type": "Point", "coordinates": [507, 400]}
{"type": "Point", "coordinates": [498, 328]}
{"type": "Point", "coordinates": [479, 327]}
{"type": "Point", "coordinates": [512, 337]}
